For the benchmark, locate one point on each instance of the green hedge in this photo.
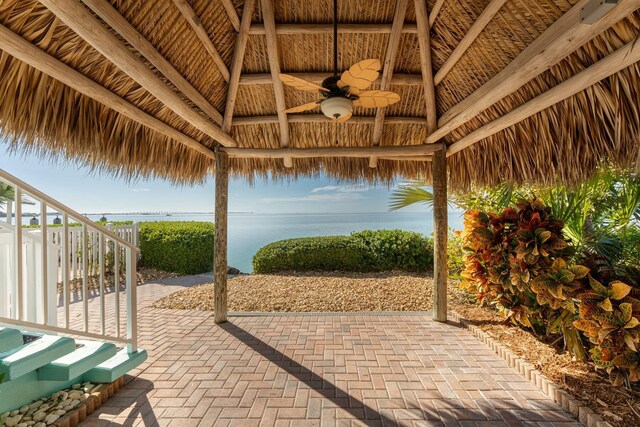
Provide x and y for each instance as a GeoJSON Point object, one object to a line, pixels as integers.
{"type": "Point", "coordinates": [363, 251]}
{"type": "Point", "coordinates": [180, 247]}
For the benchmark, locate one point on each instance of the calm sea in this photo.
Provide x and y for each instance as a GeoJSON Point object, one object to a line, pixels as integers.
{"type": "Point", "coordinates": [248, 232]}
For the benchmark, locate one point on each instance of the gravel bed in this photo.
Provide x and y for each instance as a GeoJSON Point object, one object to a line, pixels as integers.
{"type": "Point", "coordinates": [314, 292]}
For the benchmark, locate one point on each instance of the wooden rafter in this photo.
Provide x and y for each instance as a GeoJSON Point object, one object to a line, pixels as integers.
{"type": "Point", "coordinates": [26, 52]}
{"type": "Point", "coordinates": [89, 28]}
{"type": "Point", "coordinates": [424, 42]}
{"type": "Point", "coordinates": [346, 28]}
{"type": "Point", "coordinates": [435, 11]}
{"type": "Point", "coordinates": [560, 40]}
{"type": "Point", "coordinates": [355, 152]}
{"type": "Point", "coordinates": [321, 118]}
{"type": "Point", "coordinates": [387, 74]}
{"type": "Point", "coordinates": [236, 65]}
{"type": "Point", "coordinates": [104, 10]}
{"type": "Point", "coordinates": [613, 63]}
{"type": "Point", "coordinates": [485, 17]}
{"type": "Point", "coordinates": [268, 16]}
{"type": "Point", "coordinates": [194, 21]}
{"type": "Point", "coordinates": [231, 12]}
{"type": "Point", "coordinates": [318, 77]}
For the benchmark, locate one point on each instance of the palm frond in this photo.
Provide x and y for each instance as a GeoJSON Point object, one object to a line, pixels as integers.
{"type": "Point", "coordinates": [408, 195]}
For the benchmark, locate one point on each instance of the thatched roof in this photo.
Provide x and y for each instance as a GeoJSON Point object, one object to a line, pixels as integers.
{"type": "Point", "coordinates": [502, 58]}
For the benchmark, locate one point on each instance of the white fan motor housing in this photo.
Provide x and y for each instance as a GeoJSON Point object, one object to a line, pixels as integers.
{"type": "Point", "coordinates": [336, 107]}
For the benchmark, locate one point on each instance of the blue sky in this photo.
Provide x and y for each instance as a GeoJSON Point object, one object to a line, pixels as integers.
{"type": "Point", "coordinates": [89, 192]}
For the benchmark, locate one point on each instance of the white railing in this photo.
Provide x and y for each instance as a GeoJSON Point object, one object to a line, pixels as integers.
{"type": "Point", "coordinates": [38, 279]}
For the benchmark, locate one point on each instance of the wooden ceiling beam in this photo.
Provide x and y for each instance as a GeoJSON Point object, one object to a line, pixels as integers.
{"type": "Point", "coordinates": [346, 28]}
{"type": "Point", "coordinates": [321, 118]}
{"type": "Point", "coordinates": [307, 153]}
{"type": "Point", "coordinates": [26, 52]}
{"type": "Point", "coordinates": [435, 11]}
{"type": "Point", "coordinates": [236, 65]}
{"type": "Point", "coordinates": [268, 16]}
{"type": "Point", "coordinates": [424, 42]}
{"type": "Point", "coordinates": [194, 21]}
{"type": "Point", "coordinates": [476, 29]}
{"type": "Point", "coordinates": [232, 13]}
{"type": "Point", "coordinates": [613, 63]}
{"type": "Point", "coordinates": [112, 17]}
{"type": "Point", "coordinates": [387, 66]}
{"type": "Point", "coordinates": [79, 19]}
{"type": "Point", "coordinates": [398, 79]}
{"type": "Point", "coordinates": [560, 40]}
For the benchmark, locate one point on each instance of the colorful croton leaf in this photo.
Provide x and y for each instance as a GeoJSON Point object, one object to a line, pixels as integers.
{"type": "Point", "coordinates": [555, 287]}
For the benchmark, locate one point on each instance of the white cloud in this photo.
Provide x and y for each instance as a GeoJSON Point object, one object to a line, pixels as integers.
{"type": "Point", "coordinates": [356, 188]}
{"type": "Point", "coordinates": [334, 197]}
{"type": "Point", "coordinates": [141, 190]}
{"type": "Point", "coordinates": [327, 188]}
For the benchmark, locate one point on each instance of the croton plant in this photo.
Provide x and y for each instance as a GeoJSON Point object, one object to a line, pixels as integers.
{"type": "Point", "coordinates": [518, 262]}
{"type": "Point", "coordinates": [609, 316]}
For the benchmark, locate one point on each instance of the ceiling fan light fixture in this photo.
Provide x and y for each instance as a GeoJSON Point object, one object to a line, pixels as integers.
{"type": "Point", "coordinates": [336, 107]}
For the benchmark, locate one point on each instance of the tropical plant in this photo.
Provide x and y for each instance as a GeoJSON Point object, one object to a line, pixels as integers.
{"type": "Point", "coordinates": [517, 262]}
{"type": "Point", "coordinates": [609, 316]}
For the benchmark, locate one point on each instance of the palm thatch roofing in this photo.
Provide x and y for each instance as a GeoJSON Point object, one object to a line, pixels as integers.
{"type": "Point", "coordinates": [518, 90]}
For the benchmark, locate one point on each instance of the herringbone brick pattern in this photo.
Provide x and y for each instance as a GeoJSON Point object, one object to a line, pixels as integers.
{"type": "Point", "coordinates": [319, 370]}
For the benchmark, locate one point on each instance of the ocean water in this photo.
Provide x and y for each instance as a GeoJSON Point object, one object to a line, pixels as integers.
{"type": "Point", "coordinates": [248, 232]}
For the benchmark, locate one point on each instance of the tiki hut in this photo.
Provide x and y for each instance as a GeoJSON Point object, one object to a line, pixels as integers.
{"type": "Point", "coordinates": [492, 90]}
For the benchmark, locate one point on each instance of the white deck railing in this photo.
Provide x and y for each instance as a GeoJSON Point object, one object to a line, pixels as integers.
{"type": "Point", "coordinates": [38, 279]}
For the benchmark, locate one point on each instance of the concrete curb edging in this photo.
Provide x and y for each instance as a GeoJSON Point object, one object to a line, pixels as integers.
{"type": "Point", "coordinates": [90, 404]}
{"type": "Point", "coordinates": [564, 399]}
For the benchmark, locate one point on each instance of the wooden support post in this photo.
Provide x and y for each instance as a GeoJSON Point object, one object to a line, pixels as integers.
{"type": "Point", "coordinates": [220, 251]}
{"type": "Point", "coordinates": [440, 231]}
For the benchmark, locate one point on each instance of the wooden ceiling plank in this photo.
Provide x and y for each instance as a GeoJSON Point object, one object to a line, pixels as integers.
{"type": "Point", "coordinates": [424, 42]}
{"type": "Point", "coordinates": [236, 65]}
{"type": "Point", "coordinates": [194, 21]}
{"type": "Point", "coordinates": [78, 18]}
{"type": "Point", "coordinates": [268, 16]}
{"type": "Point", "coordinates": [285, 29]}
{"type": "Point", "coordinates": [112, 17]}
{"type": "Point", "coordinates": [387, 66]}
{"type": "Point", "coordinates": [560, 40]}
{"type": "Point", "coordinates": [26, 52]}
{"type": "Point", "coordinates": [476, 29]}
{"type": "Point", "coordinates": [612, 64]}
{"type": "Point", "coordinates": [316, 152]}
{"type": "Point", "coordinates": [435, 11]}
{"type": "Point", "coordinates": [398, 79]}
{"type": "Point", "coordinates": [232, 13]}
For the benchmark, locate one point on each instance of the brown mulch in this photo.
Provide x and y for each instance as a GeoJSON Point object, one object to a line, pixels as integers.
{"type": "Point", "coordinates": [399, 291]}
{"type": "Point", "coordinates": [145, 275]}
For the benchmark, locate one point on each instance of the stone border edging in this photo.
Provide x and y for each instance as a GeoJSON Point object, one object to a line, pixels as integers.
{"type": "Point", "coordinates": [90, 404]}
{"type": "Point", "coordinates": [567, 401]}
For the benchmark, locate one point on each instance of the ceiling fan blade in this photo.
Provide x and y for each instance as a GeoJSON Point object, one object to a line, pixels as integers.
{"type": "Point", "coordinates": [303, 107]}
{"type": "Point", "coordinates": [361, 75]}
{"type": "Point", "coordinates": [343, 118]}
{"type": "Point", "coordinates": [376, 99]}
{"type": "Point", "coordinates": [301, 84]}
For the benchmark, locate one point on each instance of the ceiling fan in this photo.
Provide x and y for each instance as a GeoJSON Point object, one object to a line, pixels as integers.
{"type": "Point", "coordinates": [342, 92]}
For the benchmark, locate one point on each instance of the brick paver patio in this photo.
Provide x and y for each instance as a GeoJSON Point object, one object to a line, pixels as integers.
{"type": "Point", "coordinates": [318, 370]}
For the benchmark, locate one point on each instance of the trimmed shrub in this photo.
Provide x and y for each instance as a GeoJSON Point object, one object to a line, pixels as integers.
{"type": "Point", "coordinates": [364, 251]}
{"type": "Point", "coordinates": [179, 247]}
{"type": "Point", "coordinates": [396, 250]}
{"type": "Point", "coordinates": [326, 253]}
